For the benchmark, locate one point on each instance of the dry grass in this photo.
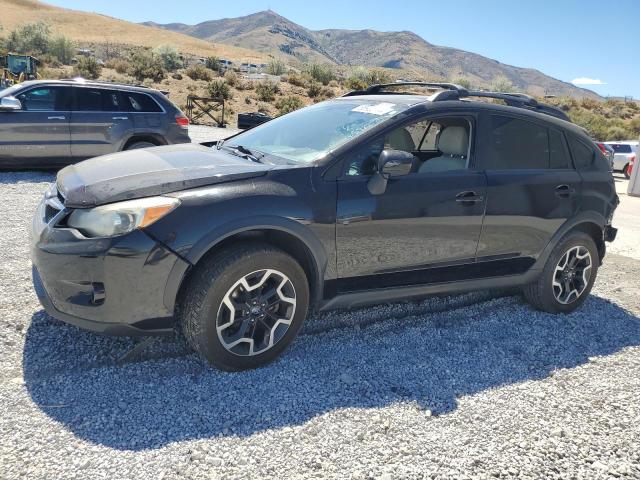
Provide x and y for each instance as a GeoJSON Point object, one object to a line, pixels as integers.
{"type": "Point", "coordinates": [95, 28]}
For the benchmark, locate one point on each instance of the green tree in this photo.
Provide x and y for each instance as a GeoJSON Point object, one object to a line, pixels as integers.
{"type": "Point", "coordinates": [33, 38]}
{"type": "Point", "coordinates": [63, 49]}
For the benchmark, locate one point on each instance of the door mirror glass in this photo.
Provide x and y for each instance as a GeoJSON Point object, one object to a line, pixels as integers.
{"type": "Point", "coordinates": [395, 163]}
{"type": "Point", "coordinates": [10, 103]}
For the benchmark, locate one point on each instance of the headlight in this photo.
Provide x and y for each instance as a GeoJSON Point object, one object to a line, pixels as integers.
{"type": "Point", "coordinates": [122, 217]}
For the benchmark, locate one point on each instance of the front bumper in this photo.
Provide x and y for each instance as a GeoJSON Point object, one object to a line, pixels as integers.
{"type": "Point", "coordinates": [113, 286]}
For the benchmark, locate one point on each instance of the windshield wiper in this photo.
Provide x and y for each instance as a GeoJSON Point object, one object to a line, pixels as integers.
{"type": "Point", "coordinates": [245, 152]}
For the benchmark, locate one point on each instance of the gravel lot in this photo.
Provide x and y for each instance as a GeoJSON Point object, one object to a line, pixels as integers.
{"type": "Point", "coordinates": [469, 386]}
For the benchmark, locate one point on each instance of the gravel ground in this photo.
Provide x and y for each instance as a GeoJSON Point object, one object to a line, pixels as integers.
{"type": "Point", "coordinates": [469, 386]}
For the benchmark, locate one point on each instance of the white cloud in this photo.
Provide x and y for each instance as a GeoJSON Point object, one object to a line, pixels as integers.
{"type": "Point", "coordinates": [587, 81]}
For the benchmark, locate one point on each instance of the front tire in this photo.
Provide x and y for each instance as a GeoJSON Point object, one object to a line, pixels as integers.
{"type": "Point", "coordinates": [567, 277]}
{"type": "Point", "coordinates": [244, 306]}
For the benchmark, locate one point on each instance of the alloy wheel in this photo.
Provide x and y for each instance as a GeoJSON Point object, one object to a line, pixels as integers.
{"type": "Point", "coordinates": [256, 312]}
{"type": "Point", "coordinates": [572, 274]}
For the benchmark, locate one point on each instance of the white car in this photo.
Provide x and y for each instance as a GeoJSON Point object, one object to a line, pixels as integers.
{"type": "Point", "coordinates": [625, 154]}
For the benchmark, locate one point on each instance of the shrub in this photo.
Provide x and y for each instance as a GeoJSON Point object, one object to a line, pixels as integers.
{"type": "Point", "coordinates": [617, 133]}
{"type": "Point", "coordinates": [297, 80]}
{"type": "Point", "coordinates": [212, 63]}
{"type": "Point", "coordinates": [288, 104]}
{"type": "Point", "coordinates": [219, 89]}
{"type": "Point", "coordinates": [314, 89]}
{"type": "Point", "coordinates": [463, 82]}
{"type": "Point", "coordinates": [502, 84]}
{"type": "Point", "coordinates": [121, 66]}
{"type": "Point", "coordinates": [87, 67]}
{"type": "Point", "coordinates": [266, 91]}
{"type": "Point", "coordinates": [276, 67]}
{"type": "Point", "coordinates": [199, 72]}
{"type": "Point", "coordinates": [34, 38]}
{"type": "Point", "coordinates": [63, 49]}
{"type": "Point", "coordinates": [635, 126]}
{"type": "Point", "coordinates": [169, 57]}
{"type": "Point", "coordinates": [231, 77]}
{"type": "Point", "coordinates": [360, 78]}
{"type": "Point", "coordinates": [320, 73]}
{"type": "Point", "coordinates": [147, 65]}
{"type": "Point", "coordinates": [176, 76]}
{"type": "Point", "coordinates": [327, 92]}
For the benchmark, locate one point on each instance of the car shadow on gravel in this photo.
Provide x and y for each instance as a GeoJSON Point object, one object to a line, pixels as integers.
{"type": "Point", "coordinates": [365, 359]}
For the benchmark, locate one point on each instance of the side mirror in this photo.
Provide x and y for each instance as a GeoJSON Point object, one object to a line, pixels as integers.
{"type": "Point", "coordinates": [391, 163]}
{"type": "Point", "coordinates": [394, 163]}
{"type": "Point", "coordinates": [10, 103]}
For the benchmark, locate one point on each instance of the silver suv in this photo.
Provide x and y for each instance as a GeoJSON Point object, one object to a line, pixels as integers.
{"type": "Point", "coordinates": [48, 124]}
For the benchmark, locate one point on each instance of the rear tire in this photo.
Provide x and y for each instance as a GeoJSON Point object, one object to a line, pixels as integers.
{"type": "Point", "coordinates": [137, 145]}
{"type": "Point", "coordinates": [567, 277]}
{"type": "Point", "coordinates": [244, 305]}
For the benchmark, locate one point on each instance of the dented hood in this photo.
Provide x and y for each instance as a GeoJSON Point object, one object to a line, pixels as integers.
{"type": "Point", "coordinates": [151, 171]}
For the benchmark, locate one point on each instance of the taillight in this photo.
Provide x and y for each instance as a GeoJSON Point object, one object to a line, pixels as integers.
{"type": "Point", "coordinates": [182, 120]}
{"type": "Point", "coordinates": [602, 149]}
{"type": "Point", "coordinates": [632, 159]}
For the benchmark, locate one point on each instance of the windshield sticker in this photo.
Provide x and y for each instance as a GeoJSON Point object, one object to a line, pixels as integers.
{"type": "Point", "coordinates": [382, 108]}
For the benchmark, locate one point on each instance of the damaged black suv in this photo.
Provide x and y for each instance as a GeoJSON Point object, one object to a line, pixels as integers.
{"type": "Point", "coordinates": [374, 197]}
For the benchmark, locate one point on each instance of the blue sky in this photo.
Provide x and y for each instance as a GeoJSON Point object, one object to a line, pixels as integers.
{"type": "Point", "coordinates": [567, 39]}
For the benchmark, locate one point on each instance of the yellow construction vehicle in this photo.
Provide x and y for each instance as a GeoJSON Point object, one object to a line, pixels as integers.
{"type": "Point", "coordinates": [17, 68]}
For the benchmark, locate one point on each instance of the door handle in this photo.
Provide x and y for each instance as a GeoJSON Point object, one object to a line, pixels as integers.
{"type": "Point", "coordinates": [56, 117]}
{"type": "Point", "coordinates": [469, 198]}
{"type": "Point", "coordinates": [120, 118]}
{"type": "Point", "coordinates": [564, 191]}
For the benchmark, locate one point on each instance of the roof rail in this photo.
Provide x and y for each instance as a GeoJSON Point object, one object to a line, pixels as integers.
{"type": "Point", "coordinates": [451, 91]}
{"type": "Point", "coordinates": [522, 100]}
{"type": "Point", "coordinates": [381, 88]}
{"type": "Point", "coordinates": [82, 80]}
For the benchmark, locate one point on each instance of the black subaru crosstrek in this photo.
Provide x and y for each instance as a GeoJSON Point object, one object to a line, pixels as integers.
{"type": "Point", "coordinates": [373, 197]}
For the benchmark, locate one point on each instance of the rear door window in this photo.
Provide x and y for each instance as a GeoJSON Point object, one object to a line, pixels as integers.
{"type": "Point", "coordinates": [558, 150]}
{"type": "Point", "coordinates": [516, 144]}
{"type": "Point", "coordinates": [140, 102]}
{"type": "Point", "coordinates": [97, 100]}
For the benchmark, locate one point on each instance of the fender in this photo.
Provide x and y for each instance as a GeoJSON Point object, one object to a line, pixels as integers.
{"type": "Point", "coordinates": [260, 222]}
{"type": "Point", "coordinates": [585, 217]}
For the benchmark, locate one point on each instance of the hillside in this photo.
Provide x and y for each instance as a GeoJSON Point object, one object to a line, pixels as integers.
{"type": "Point", "coordinates": [86, 28]}
{"type": "Point", "coordinates": [273, 34]}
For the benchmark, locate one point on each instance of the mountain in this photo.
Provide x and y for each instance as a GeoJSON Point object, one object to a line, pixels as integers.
{"type": "Point", "coordinates": [86, 27]}
{"type": "Point", "coordinates": [273, 34]}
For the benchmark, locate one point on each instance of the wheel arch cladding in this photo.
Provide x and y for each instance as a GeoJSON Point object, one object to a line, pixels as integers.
{"type": "Point", "coordinates": [590, 223]}
{"type": "Point", "coordinates": [304, 248]}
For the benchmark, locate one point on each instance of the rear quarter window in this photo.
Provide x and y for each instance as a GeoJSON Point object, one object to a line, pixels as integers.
{"type": "Point", "coordinates": [587, 157]}
{"type": "Point", "coordinates": [140, 102]}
